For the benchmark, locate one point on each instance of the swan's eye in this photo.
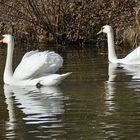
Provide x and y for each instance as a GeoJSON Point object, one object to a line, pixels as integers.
{"type": "Point", "coordinates": [102, 28]}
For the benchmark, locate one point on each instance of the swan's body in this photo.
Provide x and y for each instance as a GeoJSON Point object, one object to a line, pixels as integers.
{"type": "Point", "coordinates": [130, 59]}
{"type": "Point", "coordinates": [35, 67]}
{"type": "Point", "coordinates": [36, 64]}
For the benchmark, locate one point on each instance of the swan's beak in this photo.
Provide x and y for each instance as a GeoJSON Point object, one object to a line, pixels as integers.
{"type": "Point", "coordinates": [101, 31]}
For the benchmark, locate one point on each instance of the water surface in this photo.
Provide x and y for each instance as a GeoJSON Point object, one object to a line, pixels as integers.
{"type": "Point", "coordinates": [99, 101]}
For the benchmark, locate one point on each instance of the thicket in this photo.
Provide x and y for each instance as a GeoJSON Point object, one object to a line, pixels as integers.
{"type": "Point", "coordinates": [66, 21]}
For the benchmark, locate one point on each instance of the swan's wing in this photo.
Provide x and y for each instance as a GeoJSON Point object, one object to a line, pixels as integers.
{"type": "Point", "coordinates": [133, 57]}
{"type": "Point", "coordinates": [29, 54]}
{"type": "Point", "coordinates": [35, 64]}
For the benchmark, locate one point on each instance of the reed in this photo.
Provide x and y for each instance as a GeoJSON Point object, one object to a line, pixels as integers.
{"type": "Point", "coordinates": [131, 35]}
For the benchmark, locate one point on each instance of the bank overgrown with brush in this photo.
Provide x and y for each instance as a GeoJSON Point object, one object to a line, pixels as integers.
{"type": "Point", "coordinates": [70, 21]}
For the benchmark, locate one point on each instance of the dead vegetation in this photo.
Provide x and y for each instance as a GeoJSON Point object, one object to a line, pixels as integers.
{"type": "Point", "coordinates": [131, 34]}
{"type": "Point", "coordinates": [65, 21]}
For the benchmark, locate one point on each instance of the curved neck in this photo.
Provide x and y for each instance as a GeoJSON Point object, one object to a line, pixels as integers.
{"type": "Point", "coordinates": [111, 50]}
{"type": "Point", "coordinates": [8, 72]}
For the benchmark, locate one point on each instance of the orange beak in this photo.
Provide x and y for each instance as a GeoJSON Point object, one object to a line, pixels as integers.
{"type": "Point", "coordinates": [101, 31]}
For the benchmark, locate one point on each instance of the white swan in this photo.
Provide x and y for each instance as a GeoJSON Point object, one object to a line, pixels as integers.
{"type": "Point", "coordinates": [35, 69]}
{"type": "Point", "coordinates": [130, 59]}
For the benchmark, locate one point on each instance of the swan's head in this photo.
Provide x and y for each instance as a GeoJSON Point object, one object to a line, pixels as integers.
{"type": "Point", "coordinates": [105, 29]}
{"type": "Point", "coordinates": [6, 38]}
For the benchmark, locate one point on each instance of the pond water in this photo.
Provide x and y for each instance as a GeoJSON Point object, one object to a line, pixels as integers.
{"type": "Point", "coordinates": [99, 101]}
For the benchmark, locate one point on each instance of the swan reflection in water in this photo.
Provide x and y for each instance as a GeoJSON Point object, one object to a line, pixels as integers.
{"type": "Point", "coordinates": [134, 71]}
{"type": "Point", "coordinates": [38, 105]}
{"type": "Point", "coordinates": [128, 70]}
{"type": "Point", "coordinates": [114, 70]}
{"type": "Point", "coordinates": [110, 89]}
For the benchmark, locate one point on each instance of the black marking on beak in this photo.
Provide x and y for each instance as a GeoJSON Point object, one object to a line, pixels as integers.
{"type": "Point", "coordinates": [1, 38]}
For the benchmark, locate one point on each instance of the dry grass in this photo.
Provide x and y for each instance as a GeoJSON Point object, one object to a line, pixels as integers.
{"type": "Point", "coordinates": [131, 35]}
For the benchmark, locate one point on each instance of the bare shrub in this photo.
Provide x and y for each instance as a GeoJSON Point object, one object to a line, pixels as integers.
{"type": "Point", "coordinates": [62, 21]}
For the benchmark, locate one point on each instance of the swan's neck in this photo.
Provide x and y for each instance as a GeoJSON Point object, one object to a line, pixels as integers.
{"type": "Point", "coordinates": [8, 72]}
{"type": "Point", "coordinates": [111, 49]}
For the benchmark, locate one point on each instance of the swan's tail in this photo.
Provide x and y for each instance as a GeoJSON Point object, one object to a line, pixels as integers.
{"type": "Point", "coordinates": [63, 76]}
{"type": "Point", "coordinates": [53, 79]}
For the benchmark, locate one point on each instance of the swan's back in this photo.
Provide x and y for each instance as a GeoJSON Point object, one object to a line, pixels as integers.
{"type": "Point", "coordinates": [35, 64]}
{"type": "Point", "coordinates": [133, 57]}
